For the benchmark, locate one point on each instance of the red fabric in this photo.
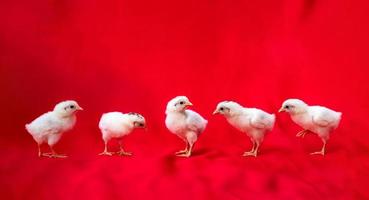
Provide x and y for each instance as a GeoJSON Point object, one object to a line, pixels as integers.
{"type": "Point", "coordinates": [137, 55]}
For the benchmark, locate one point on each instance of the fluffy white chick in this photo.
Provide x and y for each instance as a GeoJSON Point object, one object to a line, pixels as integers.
{"type": "Point", "coordinates": [254, 122]}
{"type": "Point", "coordinates": [316, 119]}
{"type": "Point", "coordinates": [49, 127]}
{"type": "Point", "coordinates": [116, 125]}
{"type": "Point", "coordinates": [184, 123]}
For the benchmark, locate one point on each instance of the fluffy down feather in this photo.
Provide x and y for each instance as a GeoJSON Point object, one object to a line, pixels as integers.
{"type": "Point", "coordinates": [252, 121]}
{"type": "Point", "coordinates": [116, 125]}
{"type": "Point", "coordinates": [184, 123]}
{"type": "Point", "coordinates": [316, 119]}
{"type": "Point", "coordinates": [49, 127]}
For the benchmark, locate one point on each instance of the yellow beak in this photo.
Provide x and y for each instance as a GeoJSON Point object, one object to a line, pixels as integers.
{"type": "Point", "coordinates": [189, 104]}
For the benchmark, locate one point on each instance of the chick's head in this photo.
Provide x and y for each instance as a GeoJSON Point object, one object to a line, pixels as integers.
{"type": "Point", "coordinates": [293, 106]}
{"type": "Point", "coordinates": [178, 104]}
{"type": "Point", "coordinates": [67, 108]}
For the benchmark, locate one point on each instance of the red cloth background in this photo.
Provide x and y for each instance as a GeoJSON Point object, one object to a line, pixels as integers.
{"type": "Point", "coordinates": [137, 55]}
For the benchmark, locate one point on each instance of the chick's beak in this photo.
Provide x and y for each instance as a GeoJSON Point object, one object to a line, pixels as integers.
{"type": "Point", "coordinates": [216, 112]}
{"type": "Point", "coordinates": [79, 108]}
{"type": "Point", "coordinates": [189, 104]}
{"type": "Point", "coordinates": [281, 110]}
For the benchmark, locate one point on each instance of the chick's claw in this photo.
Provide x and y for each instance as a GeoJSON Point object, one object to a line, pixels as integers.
{"type": "Point", "coordinates": [317, 153]}
{"type": "Point", "coordinates": [54, 155]}
{"type": "Point", "coordinates": [58, 156]}
{"type": "Point", "coordinates": [106, 153]}
{"type": "Point", "coordinates": [123, 153]}
{"type": "Point", "coordinates": [250, 153]}
{"type": "Point", "coordinates": [185, 154]}
{"type": "Point", "coordinates": [301, 133]}
{"type": "Point", "coordinates": [181, 151]}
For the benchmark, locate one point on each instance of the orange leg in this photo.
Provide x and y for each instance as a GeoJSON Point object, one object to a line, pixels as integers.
{"type": "Point", "coordinates": [121, 152]}
{"type": "Point", "coordinates": [322, 151]}
{"type": "Point", "coordinates": [106, 152]}
{"type": "Point", "coordinates": [254, 150]}
{"type": "Point", "coordinates": [184, 150]}
{"type": "Point", "coordinates": [302, 133]}
{"type": "Point", "coordinates": [53, 154]}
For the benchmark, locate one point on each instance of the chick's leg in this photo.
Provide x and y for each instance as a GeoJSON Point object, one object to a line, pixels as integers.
{"type": "Point", "coordinates": [302, 133]}
{"type": "Point", "coordinates": [106, 152]}
{"type": "Point", "coordinates": [52, 139]}
{"type": "Point", "coordinates": [252, 150]}
{"type": "Point", "coordinates": [53, 153]}
{"type": "Point", "coordinates": [322, 151]}
{"type": "Point", "coordinates": [121, 151]}
{"type": "Point", "coordinates": [188, 152]}
{"type": "Point", "coordinates": [191, 139]}
{"type": "Point", "coordinates": [39, 150]}
{"type": "Point", "coordinates": [184, 150]}
{"type": "Point", "coordinates": [255, 150]}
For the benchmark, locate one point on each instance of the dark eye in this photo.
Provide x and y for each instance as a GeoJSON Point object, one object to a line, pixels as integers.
{"type": "Point", "coordinates": [182, 102]}
{"type": "Point", "coordinates": [287, 107]}
{"type": "Point", "coordinates": [72, 107]}
{"type": "Point", "coordinates": [221, 108]}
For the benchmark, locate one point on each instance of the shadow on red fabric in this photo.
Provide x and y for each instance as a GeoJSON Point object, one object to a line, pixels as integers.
{"type": "Point", "coordinates": [137, 55]}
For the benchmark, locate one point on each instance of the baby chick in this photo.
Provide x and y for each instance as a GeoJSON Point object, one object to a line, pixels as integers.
{"type": "Point", "coordinates": [185, 123]}
{"type": "Point", "coordinates": [254, 122]}
{"type": "Point", "coordinates": [49, 127]}
{"type": "Point", "coordinates": [316, 119]}
{"type": "Point", "coordinates": [117, 125]}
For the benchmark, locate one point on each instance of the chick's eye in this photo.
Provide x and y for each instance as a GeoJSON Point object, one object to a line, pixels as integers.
{"type": "Point", "coordinates": [221, 108]}
{"type": "Point", "coordinates": [72, 107]}
{"type": "Point", "coordinates": [287, 107]}
{"type": "Point", "coordinates": [181, 102]}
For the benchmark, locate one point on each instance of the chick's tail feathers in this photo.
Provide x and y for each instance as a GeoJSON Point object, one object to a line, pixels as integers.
{"type": "Point", "coordinates": [272, 122]}
{"type": "Point", "coordinates": [203, 127]}
{"type": "Point", "coordinates": [28, 128]}
{"type": "Point", "coordinates": [339, 117]}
